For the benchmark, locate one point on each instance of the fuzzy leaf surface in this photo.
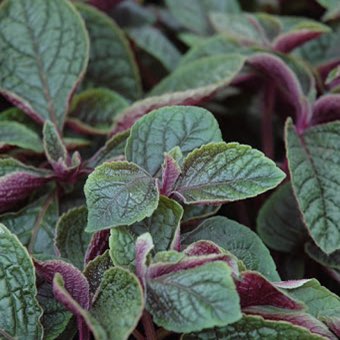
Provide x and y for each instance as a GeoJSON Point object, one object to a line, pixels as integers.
{"type": "Point", "coordinates": [239, 240]}
{"type": "Point", "coordinates": [255, 328]}
{"type": "Point", "coordinates": [315, 172]}
{"type": "Point", "coordinates": [19, 309]}
{"type": "Point", "coordinates": [163, 129]}
{"type": "Point", "coordinates": [201, 297]}
{"type": "Point", "coordinates": [71, 238]}
{"type": "Point", "coordinates": [221, 172]}
{"type": "Point", "coordinates": [111, 63]}
{"type": "Point", "coordinates": [119, 193]}
{"type": "Point", "coordinates": [45, 56]}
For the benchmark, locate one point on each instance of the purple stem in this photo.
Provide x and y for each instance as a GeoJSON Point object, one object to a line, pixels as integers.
{"type": "Point", "coordinates": [149, 328]}
{"type": "Point", "coordinates": [267, 120]}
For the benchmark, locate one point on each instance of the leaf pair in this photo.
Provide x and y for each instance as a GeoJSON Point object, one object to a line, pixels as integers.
{"type": "Point", "coordinates": [122, 193]}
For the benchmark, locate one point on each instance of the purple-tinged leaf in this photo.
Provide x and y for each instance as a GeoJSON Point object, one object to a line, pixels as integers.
{"type": "Point", "coordinates": [170, 173]}
{"type": "Point", "coordinates": [38, 74]}
{"type": "Point", "coordinates": [56, 152]}
{"type": "Point", "coordinates": [199, 297]}
{"type": "Point", "coordinates": [326, 109]}
{"type": "Point", "coordinates": [321, 303]}
{"type": "Point", "coordinates": [237, 239]}
{"type": "Point", "coordinates": [97, 246]}
{"type": "Point", "coordinates": [220, 172]}
{"type": "Point", "coordinates": [290, 284]}
{"type": "Point", "coordinates": [285, 43]}
{"type": "Point", "coordinates": [93, 110]}
{"type": "Point", "coordinates": [297, 318]}
{"type": "Point", "coordinates": [332, 260]}
{"type": "Point", "coordinates": [203, 248]}
{"type": "Point", "coordinates": [255, 290]}
{"type": "Point", "coordinates": [17, 181]}
{"type": "Point", "coordinates": [284, 79]}
{"type": "Point", "coordinates": [188, 85]}
{"type": "Point", "coordinates": [255, 327]}
{"type": "Point", "coordinates": [162, 268]}
{"type": "Point", "coordinates": [75, 283]}
{"type": "Point", "coordinates": [85, 322]}
{"type": "Point", "coordinates": [144, 245]}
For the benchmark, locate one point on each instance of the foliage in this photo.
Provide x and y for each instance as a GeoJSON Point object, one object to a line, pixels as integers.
{"type": "Point", "coordinates": [125, 126]}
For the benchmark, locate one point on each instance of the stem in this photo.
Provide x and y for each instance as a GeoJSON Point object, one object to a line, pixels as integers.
{"type": "Point", "coordinates": [136, 333]}
{"type": "Point", "coordinates": [149, 328]}
{"type": "Point", "coordinates": [267, 120]}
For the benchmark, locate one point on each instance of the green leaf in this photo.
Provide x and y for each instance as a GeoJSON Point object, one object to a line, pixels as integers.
{"type": "Point", "coordinates": [92, 111]}
{"type": "Point", "coordinates": [71, 239]}
{"type": "Point", "coordinates": [202, 297]}
{"type": "Point", "coordinates": [118, 304]}
{"type": "Point", "coordinates": [163, 129]}
{"type": "Point", "coordinates": [239, 240]}
{"type": "Point", "coordinates": [315, 172]}
{"type": "Point", "coordinates": [43, 56]}
{"type": "Point", "coordinates": [111, 60]}
{"type": "Point", "coordinates": [20, 311]}
{"type": "Point", "coordinates": [13, 114]}
{"type": "Point", "coordinates": [55, 317]}
{"type": "Point", "coordinates": [220, 172]}
{"type": "Point", "coordinates": [189, 84]}
{"type": "Point", "coordinates": [155, 43]}
{"type": "Point", "coordinates": [113, 148]}
{"type": "Point", "coordinates": [95, 269]}
{"type": "Point", "coordinates": [220, 69]}
{"type": "Point", "coordinates": [34, 225]}
{"type": "Point", "coordinates": [163, 225]}
{"type": "Point", "coordinates": [333, 9]}
{"type": "Point", "coordinates": [216, 45]}
{"type": "Point", "coordinates": [193, 14]}
{"type": "Point", "coordinates": [321, 303]}
{"type": "Point", "coordinates": [54, 146]}
{"type": "Point", "coordinates": [332, 260]}
{"type": "Point", "coordinates": [279, 221]}
{"type": "Point", "coordinates": [16, 134]}
{"type": "Point", "coordinates": [119, 193]}
{"type": "Point", "coordinates": [255, 328]}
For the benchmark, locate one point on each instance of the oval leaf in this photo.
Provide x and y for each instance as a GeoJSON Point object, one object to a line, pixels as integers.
{"type": "Point", "coordinates": [163, 129]}
{"type": "Point", "coordinates": [220, 172]}
{"type": "Point", "coordinates": [19, 309]}
{"type": "Point", "coordinates": [43, 56]}
{"type": "Point", "coordinates": [119, 193]}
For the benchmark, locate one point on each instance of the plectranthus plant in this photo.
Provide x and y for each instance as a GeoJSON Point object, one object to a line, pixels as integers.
{"type": "Point", "coordinates": [169, 169]}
